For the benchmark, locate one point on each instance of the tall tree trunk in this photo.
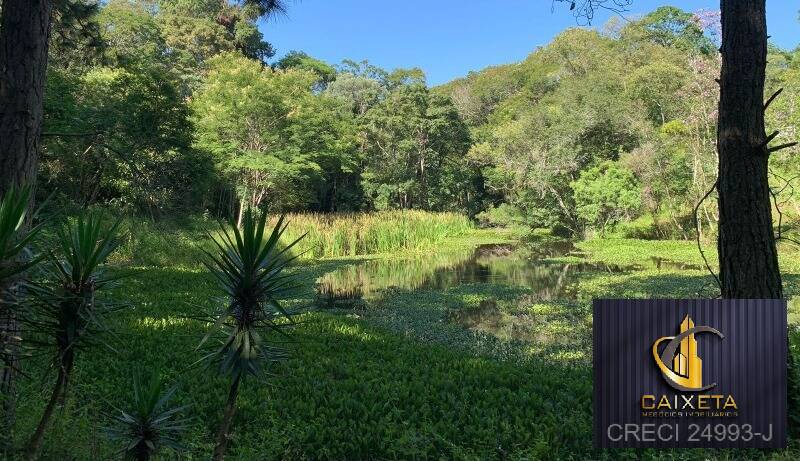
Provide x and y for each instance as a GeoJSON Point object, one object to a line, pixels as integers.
{"type": "Point", "coordinates": [240, 215]}
{"type": "Point", "coordinates": [24, 37]}
{"type": "Point", "coordinates": [225, 427]}
{"type": "Point", "coordinates": [747, 251]}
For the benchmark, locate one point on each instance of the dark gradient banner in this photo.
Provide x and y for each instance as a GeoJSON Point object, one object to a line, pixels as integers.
{"type": "Point", "coordinates": [689, 373]}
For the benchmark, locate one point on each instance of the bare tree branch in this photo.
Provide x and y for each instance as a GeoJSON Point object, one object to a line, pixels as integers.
{"type": "Point", "coordinates": [771, 98]}
{"type": "Point", "coordinates": [777, 204]}
{"type": "Point", "coordinates": [697, 232]}
{"type": "Point", "coordinates": [769, 138]}
{"type": "Point", "coordinates": [782, 146]}
{"type": "Point", "coordinates": [584, 10]}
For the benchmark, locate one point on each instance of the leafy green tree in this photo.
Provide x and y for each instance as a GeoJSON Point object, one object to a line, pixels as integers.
{"type": "Point", "coordinates": [76, 42]}
{"type": "Point", "coordinates": [658, 85]}
{"type": "Point", "coordinates": [298, 59]}
{"type": "Point", "coordinates": [131, 34]}
{"type": "Point", "coordinates": [270, 132]}
{"type": "Point", "coordinates": [671, 27]}
{"type": "Point", "coordinates": [327, 131]}
{"type": "Point", "coordinates": [663, 168]}
{"type": "Point", "coordinates": [413, 138]}
{"type": "Point", "coordinates": [121, 135]}
{"type": "Point", "coordinates": [190, 23]}
{"type": "Point", "coordinates": [572, 113]}
{"type": "Point", "coordinates": [358, 92]}
{"type": "Point", "coordinates": [605, 194]}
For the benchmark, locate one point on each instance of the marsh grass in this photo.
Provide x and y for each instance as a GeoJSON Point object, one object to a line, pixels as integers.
{"type": "Point", "coordinates": [337, 235]}
{"type": "Point", "coordinates": [353, 234]}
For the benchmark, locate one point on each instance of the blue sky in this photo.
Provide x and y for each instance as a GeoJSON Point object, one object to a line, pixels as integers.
{"type": "Point", "coordinates": [448, 38]}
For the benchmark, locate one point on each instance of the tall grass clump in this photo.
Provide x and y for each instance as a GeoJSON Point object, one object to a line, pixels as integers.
{"type": "Point", "coordinates": [352, 234]}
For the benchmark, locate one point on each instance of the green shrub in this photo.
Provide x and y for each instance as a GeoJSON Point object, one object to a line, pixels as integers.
{"type": "Point", "coordinates": [643, 228]}
{"type": "Point", "coordinates": [503, 215]}
{"type": "Point", "coordinates": [605, 195]}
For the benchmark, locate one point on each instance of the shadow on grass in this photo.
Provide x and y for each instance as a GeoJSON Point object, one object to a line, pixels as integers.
{"type": "Point", "coordinates": [406, 383]}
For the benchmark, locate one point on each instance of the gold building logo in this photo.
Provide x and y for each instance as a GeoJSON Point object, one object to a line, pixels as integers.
{"type": "Point", "coordinates": [686, 371]}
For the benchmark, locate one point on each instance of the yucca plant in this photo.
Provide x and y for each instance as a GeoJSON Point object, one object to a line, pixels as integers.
{"type": "Point", "coordinates": [14, 241]}
{"type": "Point", "coordinates": [15, 259]}
{"type": "Point", "coordinates": [14, 238]}
{"type": "Point", "coordinates": [249, 266]}
{"type": "Point", "coordinates": [65, 311]}
{"type": "Point", "coordinates": [151, 423]}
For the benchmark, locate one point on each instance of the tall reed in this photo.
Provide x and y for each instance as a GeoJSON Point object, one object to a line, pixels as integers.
{"type": "Point", "coordinates": [351, 234]}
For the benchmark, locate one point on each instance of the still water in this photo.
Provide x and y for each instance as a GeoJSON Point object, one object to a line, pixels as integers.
{"type": "Point", "coordinates": [519, 265]}
{"type": "Point", "coordinates": [531, 268]}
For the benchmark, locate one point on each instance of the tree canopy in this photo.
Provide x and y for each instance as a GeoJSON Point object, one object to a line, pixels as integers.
{"type": "Point", "coordinates": [178, 106]}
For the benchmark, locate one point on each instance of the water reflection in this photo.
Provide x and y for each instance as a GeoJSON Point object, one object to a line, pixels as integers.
{"type": "Point", "coordinates": [544, 314]}
{"type": "Point", "coordinates": [559, 327]}
{"type": "Point", "coordinates": [492, 264]}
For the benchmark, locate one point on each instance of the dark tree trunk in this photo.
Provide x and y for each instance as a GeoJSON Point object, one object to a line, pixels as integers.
{"type": "Point", "coordinates": [747, 251]}
{"type": "Point", "coordinates": [24, 37]}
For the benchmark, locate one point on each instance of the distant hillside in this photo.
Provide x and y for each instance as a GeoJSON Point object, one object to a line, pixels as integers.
{"type": "Point", "coordinates": [633, 105]}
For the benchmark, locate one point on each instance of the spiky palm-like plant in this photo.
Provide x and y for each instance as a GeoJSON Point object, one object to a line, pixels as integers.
{"type": "Point", "coordinates": [249, 266]}
{"type": "Point", "coordinates": [15, 259]}
{"type": "Point", "coordinates": [151, 423]}
{"type": "Point", "coordinates": [14, 241]}
{"type": "Point", "coordinates": [14, 238]}
{"type": "Point", "coordinates": [65, 311]}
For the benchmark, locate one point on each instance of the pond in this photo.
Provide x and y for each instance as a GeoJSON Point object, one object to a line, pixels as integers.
{"type": "Point", "coordinates": [528, 266]}
{"type": "Point", "coordinates": [524, 293]}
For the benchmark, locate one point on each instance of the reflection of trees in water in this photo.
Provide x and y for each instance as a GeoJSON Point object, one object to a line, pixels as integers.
{"type": "Point", "coordinates": [368, 278]}
{"type": "Point", "coordinates": [502, 265]}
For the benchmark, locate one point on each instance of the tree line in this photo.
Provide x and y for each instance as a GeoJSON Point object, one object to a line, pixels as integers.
{"type": "Point", "coordinates": [171, 112]}
{"type": "Point", "coordinates": [614, 126]}
{"type": "Point", "coordinates": [600, 129]}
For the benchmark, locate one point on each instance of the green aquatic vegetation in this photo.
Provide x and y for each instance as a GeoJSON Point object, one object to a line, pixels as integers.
{"type": "Point", "coordinates": [396, 378]}
{"type": "Point", "coordinates": [629, 252]}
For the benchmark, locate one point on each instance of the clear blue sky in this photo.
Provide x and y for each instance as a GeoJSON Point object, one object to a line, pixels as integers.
{"type": "Point", "coordinates": [448, 38]}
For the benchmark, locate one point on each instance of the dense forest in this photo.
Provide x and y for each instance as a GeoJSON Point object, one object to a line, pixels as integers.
{"type": "Point", "coordinates": [397, 270]}
{"type": "Point", "coordinates": [156, 106]}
